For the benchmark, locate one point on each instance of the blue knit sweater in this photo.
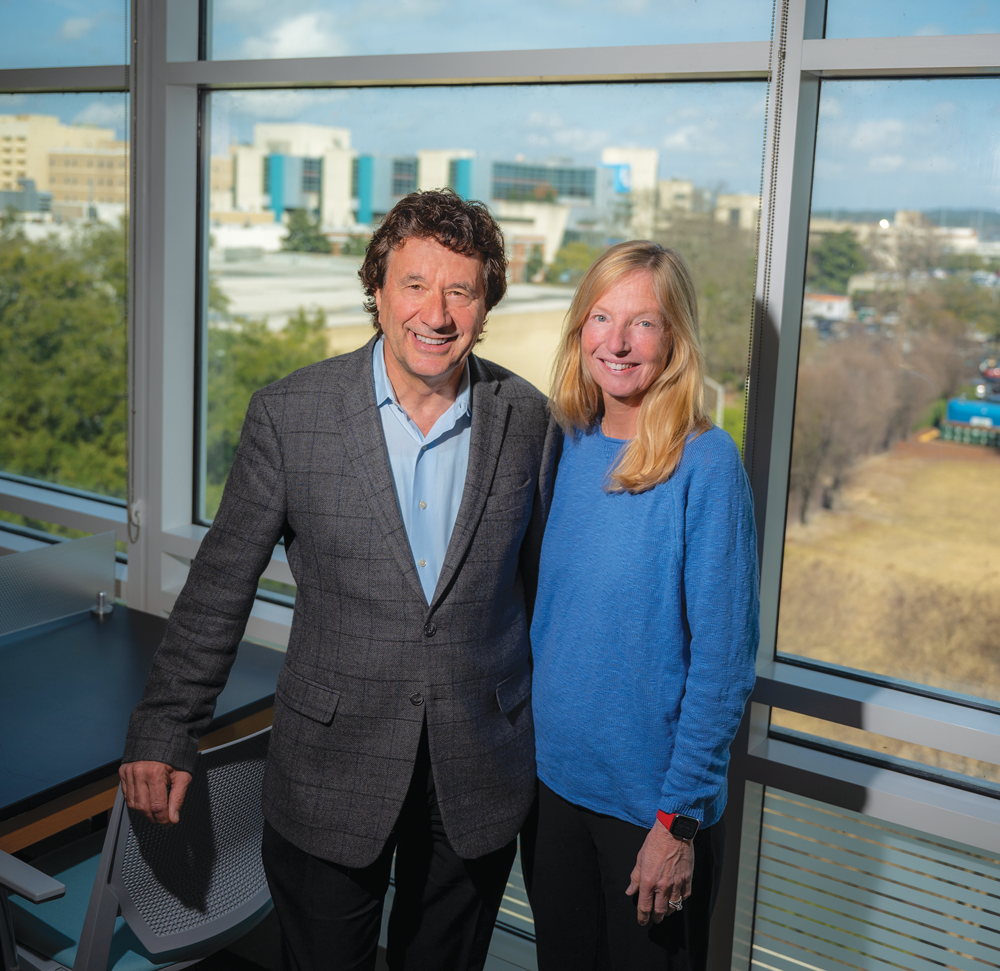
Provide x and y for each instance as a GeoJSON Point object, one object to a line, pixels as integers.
{"type": "Point", "coordinates": [645, 632]}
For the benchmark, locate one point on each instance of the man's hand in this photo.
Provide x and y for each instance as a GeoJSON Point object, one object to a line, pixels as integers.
{"type": "Point", "coordinates": [662, 873]}
{"type": "Point", "coordinates": [155, 789]}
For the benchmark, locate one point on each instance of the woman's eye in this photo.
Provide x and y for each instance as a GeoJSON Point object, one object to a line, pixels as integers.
{"type": "Point", "coordinates": [600, 318]}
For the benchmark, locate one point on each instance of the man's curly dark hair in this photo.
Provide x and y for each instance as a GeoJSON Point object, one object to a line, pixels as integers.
{"type": "Point", "coordinates": [465, 227]}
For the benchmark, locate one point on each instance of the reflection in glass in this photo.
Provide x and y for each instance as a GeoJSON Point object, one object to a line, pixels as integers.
{"type": "Point", "coordinates": [57, 33]}
{"type": "Point", "coordinates": [299, 178]}
{"type": "Point", "coordinates": [310, 28]}
{"type": "Point", "coordinates": [916, 18]}
{"type": "Point", "coordinates": [892, 550]}
{"type": "Point", "coordinates": [63, 289]}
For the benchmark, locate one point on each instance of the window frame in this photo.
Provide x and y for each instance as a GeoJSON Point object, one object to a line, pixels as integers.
{"type": "Point", "coordinates": [167, 83]}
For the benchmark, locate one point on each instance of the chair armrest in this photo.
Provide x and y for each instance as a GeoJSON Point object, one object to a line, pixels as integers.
{"type": "Point", "coordinates": [24, 880]}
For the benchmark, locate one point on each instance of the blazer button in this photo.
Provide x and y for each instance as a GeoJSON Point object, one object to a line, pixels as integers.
{"type": "Point", "coordinates": [429, 629]}
{"type": "Point", "coordinates": [416, 699]}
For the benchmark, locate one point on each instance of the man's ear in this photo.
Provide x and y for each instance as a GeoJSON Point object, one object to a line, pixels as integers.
{"type": "Point", "coordinates": [378, 300]}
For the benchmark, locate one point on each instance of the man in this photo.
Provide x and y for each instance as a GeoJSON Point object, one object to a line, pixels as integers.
{"type": "Point", "coordinates": [410, 482]}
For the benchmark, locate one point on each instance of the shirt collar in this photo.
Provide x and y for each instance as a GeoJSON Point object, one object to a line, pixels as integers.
{"type": "Point", "coordinates": [384, 393]}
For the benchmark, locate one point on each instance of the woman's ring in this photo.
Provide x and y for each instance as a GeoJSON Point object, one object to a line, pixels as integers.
{"type": "Point", "coordinates": [676, 904]}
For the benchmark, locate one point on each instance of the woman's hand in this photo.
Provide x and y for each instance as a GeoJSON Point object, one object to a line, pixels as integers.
{"type": "Point", "coordinates": [662, 873]}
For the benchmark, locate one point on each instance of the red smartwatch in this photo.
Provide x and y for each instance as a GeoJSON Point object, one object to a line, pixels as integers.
{"type": "Point", "coordinates": [678, 825]}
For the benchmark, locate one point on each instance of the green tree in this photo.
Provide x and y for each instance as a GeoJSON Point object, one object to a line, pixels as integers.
{"type": "Point", "coordinates": [535, 262]}
{"type": "Point", "coordinates": [720, 258]}
{"type": "Point", "coordinates": [63, 381]}
{"type": "Point", "coordinates": [242, 357]}
{"type": "Point", "coordinates": [304, 235]}
{"type": "Point", "coordinates": [833, 261]}
{"type": "Point", "coordinates": [571, 262]}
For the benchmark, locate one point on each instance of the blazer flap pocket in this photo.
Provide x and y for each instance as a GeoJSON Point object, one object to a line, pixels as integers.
{"type": "Point", "coordinates": [309, 698]}
{"type": "Point", "coordinates": [514, 690]}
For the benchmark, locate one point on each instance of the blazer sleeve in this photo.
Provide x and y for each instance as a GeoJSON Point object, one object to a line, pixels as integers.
{"type": "Point", "coordinates": [192, 664]}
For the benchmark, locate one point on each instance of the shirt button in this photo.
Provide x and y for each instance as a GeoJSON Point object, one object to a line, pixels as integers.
{"type": "Point", "coordinates": [416, 699]}
{"type": "Point", "coordinates": [422, 562]}
{"type": "Point", "coordinates": [423, 504]}
{"type": "Point", "coordinates": [429, 629]}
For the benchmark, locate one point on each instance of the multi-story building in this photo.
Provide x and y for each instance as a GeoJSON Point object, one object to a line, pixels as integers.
{"type": "Point", "coordinates": [89, 183]}
{"type": "Point", "coordinates": [26, 142]}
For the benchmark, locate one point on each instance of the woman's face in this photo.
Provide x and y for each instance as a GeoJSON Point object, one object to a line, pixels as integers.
{"type": "Point", "coordinates": [625, 339]}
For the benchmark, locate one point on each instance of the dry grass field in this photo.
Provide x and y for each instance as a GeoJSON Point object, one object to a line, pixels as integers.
{"type": "Point", "coordinates": [903, 579]}
{"type": "Point", "coordinates": [524, 342]}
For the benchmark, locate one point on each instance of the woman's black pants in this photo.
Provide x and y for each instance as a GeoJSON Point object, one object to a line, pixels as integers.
{"type": "Point", "coordinates": [577, 865]}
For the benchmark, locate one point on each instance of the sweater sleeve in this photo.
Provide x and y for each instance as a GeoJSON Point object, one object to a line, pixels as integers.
{"type": "Point", "coordinates": [192, 663]}
{"type": "Point", "coordinates": [721, 613]}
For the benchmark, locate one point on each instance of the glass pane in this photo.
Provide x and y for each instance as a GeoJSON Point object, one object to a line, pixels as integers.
{"type": "Point", "coordinates": [310, 28]}
{"type": "Point", "coordinates": [63, 282]}
{"type": "Point", "coordinates": [65, 33]}
{"type": "Point", "coordinates": [916, 18]}
{"type": "Point", "coordinates": [840, 889]}
{"type": "Point", "coordinates": [891, 561]}
{"type": "Point", "coordinates": [790, 724]}
{"type": "Point", "coordinates": [298, 178]}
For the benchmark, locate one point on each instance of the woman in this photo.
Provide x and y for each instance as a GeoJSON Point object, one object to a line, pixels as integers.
{"type": "Point", "coordinates": [644, 631]}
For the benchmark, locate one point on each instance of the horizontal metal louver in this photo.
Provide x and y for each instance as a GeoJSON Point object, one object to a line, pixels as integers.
{"type": "Point", "coordinates": [838, 890]}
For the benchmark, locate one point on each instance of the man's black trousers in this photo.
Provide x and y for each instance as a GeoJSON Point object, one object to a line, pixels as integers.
{"type": "Point", "coordinates": [443, 910]}
{"type": "Point", "coordinates": [577, 865]}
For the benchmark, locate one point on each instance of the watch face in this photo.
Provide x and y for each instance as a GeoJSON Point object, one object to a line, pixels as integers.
{"type": "Point", "coordinates": [684, 827]}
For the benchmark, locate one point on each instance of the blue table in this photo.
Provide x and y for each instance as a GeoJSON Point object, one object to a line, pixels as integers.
{"type": "Point", "coordinates": [66, 691]}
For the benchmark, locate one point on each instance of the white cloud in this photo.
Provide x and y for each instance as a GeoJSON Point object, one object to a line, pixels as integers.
{"type": "Point", "coordinates": [543, 119]}
{"type": "Point", "coordinates": [886, 132]}
{"type": "Point", "coordinates": [75, 27]}
{"type": "Point", "coordinates": [830, 107]}
{"type": "Point", "coordinates": [281, 105]}
{"type": "Point", "coordinates": [304, 36]}
{"type": "Point", "coordinates": [104, 114]}
{"type": "Point", "coordinates": [929, 30]}
{"type": "Point", "coordinates": [886, 163]}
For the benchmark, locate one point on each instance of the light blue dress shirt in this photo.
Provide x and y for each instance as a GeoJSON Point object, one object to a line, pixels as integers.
{"type": "Point", "coordinates": [427, 471]}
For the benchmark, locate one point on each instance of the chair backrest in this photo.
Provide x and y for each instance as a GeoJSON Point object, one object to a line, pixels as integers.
{"type": "Point", "coordinates": [188, 889]}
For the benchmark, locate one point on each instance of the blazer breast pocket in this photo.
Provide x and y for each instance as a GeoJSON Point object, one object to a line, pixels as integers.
{"type": "Point", "coordinates": [510, 495]}
{"type": "Point", "coordinates": [309, 698]}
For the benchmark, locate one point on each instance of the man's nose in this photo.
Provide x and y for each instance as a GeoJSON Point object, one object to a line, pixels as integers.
{"type": "Point", "coordinates": [434, 312]}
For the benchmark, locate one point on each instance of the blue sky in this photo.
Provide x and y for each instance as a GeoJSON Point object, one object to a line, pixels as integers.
{"type": "Point", "coordinates": [884, 144]}
{"type": "Point", "coordinates": [908, 144]}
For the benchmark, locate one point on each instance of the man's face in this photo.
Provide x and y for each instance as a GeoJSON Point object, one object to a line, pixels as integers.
{"type": "Point", "coordinates": [432, 308]}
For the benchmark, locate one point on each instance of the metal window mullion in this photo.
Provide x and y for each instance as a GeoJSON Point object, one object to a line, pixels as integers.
{"type": "Point", "coordinates": [921, 804]}
{"type": "Point", "coordinates": [951, 727]}
{"type": "Point", "coordinates": [147, 213]}
{"type": "Point", "coordinates": [949, 55]}
{"type": "Point", "coordinates": [784, 215]}
{"type": "Point", "coordinates": [57, 80]}
{"type": "Point", "coordinates": [733, 60]}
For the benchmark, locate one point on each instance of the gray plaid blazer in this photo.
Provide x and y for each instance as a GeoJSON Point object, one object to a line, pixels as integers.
{"type": "Point", "coordinates": [367, 658]}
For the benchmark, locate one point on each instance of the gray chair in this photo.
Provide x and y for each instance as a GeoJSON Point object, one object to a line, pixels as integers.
{"type": "Point", "coordinates": [150, 897]}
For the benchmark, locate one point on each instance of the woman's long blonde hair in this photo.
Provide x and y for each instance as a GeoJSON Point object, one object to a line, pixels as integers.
{"type": "Point", "coordinates": [673, 406]}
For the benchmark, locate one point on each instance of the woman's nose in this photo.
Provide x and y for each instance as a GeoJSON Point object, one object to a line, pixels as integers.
{"type": "Point", "coordinates": [617, 339]}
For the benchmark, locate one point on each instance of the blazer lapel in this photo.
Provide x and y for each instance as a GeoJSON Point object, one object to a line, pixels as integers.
{"type": "Point", "coordinates": [364, 441]}
{"type": "Point", "coordinates": [489, 422]}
